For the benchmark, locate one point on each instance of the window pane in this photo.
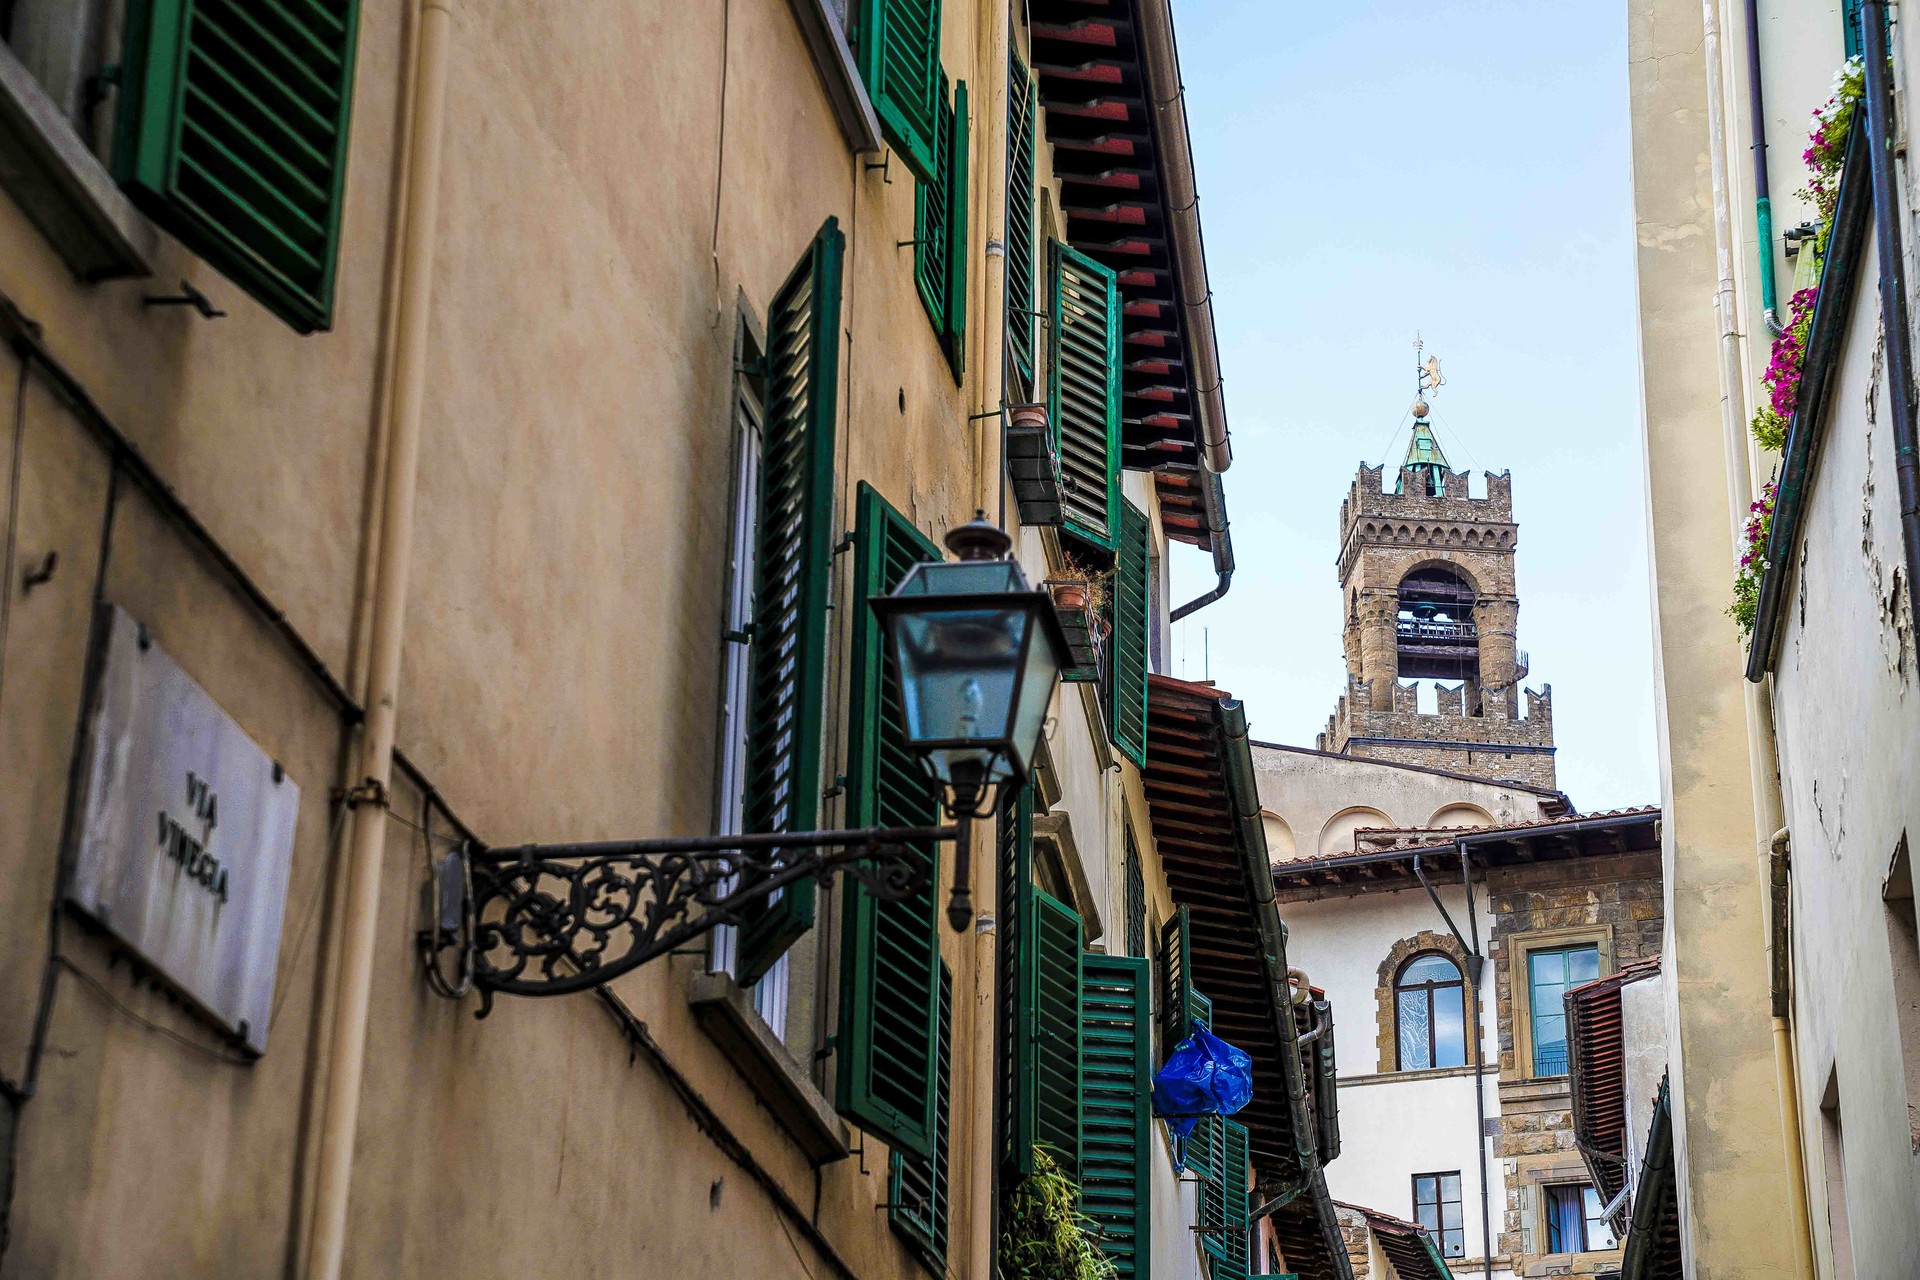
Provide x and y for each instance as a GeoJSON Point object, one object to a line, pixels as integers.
{"type": "Point", "coordinates": [1583, 965]}
{"type": "Point", "coordinates": [1566, 1220]}
{"type": "Point", "coordinates": [1450, 1215]}
{"type": "Point", "coordinates": [1415, 1050]}
{"type": "Point", "coordinates": [1599, 1234]}
{"type": "Point", "coordinates": [1429, 968]}
{"type": "Point", "coordinates": [1425, 1187]}
{"type": "Point", "coordinates": [1450, 1186]}
{"type": "Point", "coordinates": [1449, 1033]}
{"type": "Point", "coordinates": [1453, 1244]}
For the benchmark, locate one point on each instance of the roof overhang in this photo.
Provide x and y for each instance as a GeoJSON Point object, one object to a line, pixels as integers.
{"type": "Point", "coordinates": [1109, 81]}
{"type": "Point", "coordinates": [1597, 1074]}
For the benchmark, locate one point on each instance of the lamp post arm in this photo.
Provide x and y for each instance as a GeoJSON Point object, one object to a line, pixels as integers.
{"type": "Point", "coordinates": [558, 918]}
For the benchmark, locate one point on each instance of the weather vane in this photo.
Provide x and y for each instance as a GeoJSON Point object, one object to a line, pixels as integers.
{"type": "Point", "coordinates": [1427, 377]}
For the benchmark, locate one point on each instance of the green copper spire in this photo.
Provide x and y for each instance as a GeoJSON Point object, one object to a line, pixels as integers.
{"type": "Point", "coordinates": [1426, 465]}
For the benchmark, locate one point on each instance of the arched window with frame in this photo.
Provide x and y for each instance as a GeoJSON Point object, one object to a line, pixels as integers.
{"type": "Point", "coordinates": [1429, 1013]}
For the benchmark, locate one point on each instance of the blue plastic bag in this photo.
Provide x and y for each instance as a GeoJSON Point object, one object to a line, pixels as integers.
{"type": "Point", "coordinates": [1204, 1076]}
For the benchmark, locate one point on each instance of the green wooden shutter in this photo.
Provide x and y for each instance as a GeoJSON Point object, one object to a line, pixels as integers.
{"type": "Point", "coordinates": [793, 567]}
{"type": "Point", "coordinates": [1016, 914]}
{"type": "Point", "coordinates": [1116, 1075]}
{"type": "Point", "coordinates": [1127, 657]}
{"type": "Point", "coordinates": [918, 1193]}
{"type": "Point", "coordinates": [1021, 110]}
{"type": "Point", "coordinates": [233, 135]}
{"type": "Point", "coordinates": [1136, 898]}
{"type": "Point", "coordinates": [955, 335]}
{"type": "Point", "coordinates": [1177, 994]}
{"type": "Point", "coordinates": [940, 231]}
{"type": "Point", "coordinates": [899, 51]}
{"type": "Point", "coordinates": [1201, 1141]}
{"type": "Point", "coordinates": [890, 951]}
{"type": "Point", "coordinates": [1223, 1198]}
{"type": "Point", "coordinates": [1053, 1028]}
{"type": "Point", "coordinates": [1083, 392]}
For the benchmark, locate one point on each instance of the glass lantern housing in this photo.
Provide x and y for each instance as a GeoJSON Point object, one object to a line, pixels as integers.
{"type": "Point", "coordinates": [978, 653]}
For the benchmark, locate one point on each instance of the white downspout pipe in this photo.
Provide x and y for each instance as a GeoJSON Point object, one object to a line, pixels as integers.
{"type": "Point", "coordinates": [360, 911]}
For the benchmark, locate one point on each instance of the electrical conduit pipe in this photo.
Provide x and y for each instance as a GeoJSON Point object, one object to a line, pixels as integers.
{"type": "Point", "coordinates": [359, 922]}
{"type": "Point", "coordinates": [1762, 189]}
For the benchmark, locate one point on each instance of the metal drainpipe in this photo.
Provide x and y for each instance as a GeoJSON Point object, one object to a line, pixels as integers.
{"type": "Point", "coordinates": [359, 925]}
{"type": "Point", "coordinates": [1475, 966]}
{"type": "Point", "coordinates": [1893, 287]}
{"type": "Point", "coordinates": [1762, 194]}
{"type": "Point", "coordinates": [1213, 500]}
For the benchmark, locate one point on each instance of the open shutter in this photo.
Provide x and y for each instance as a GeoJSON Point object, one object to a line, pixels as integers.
{"type": "Point", "coordinates": [1116, 1075]}
{"type": "Point", "coordinates": [899, 51]}
{"type": "Point", "coordinates": [1225, 1213]}
{"type": "Point", "coordinates": [1177, 994]}
{"type": "Point", "coordinates": [890, 951]}
{"type": "Point", "coordinates": [1083, 393]}
{"type": "Point", "coordinates": [1054, 1026]}
{"type": "Point", "coordinates": [1021, 109]}
{"type": "Point", "coordinates": [1016, 914]}
{"type": "Point", "coordinates": [233, 136]}
{"type": "Point", "coordinates": [940, 230]}
{"type": "Point", "coordinates": [1127, 659]}
{"type": "Point", "coordinates": [793, 571]}
{"type": "Point", "coordinates": [918, 1194]}
{"type": "Point", "coordinates": [955, 335]}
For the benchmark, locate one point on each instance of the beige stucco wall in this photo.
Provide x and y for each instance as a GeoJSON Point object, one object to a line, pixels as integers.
{"type": "Point", "coordinates": [1728, 1133]}
{"type": "Point", "coordinates": [561, 656]}
{"type": "Point", "coordinates": [1322, 797]}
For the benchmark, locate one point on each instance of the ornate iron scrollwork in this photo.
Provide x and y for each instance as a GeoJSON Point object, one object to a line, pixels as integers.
{"type": "Point", "coordinates": [554, 919]}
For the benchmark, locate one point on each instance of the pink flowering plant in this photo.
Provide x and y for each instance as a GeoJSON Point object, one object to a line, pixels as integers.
{"type": "Point", "coordinates": [1753, 562]}
{"type": "Point", "coordinates": [1825, 155]}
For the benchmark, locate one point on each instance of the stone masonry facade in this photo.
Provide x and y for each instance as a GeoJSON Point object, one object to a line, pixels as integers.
{"type": "Point", "coordinates": [1613, 902]}
{"type": "Point", "coordinates": [1484, 726]}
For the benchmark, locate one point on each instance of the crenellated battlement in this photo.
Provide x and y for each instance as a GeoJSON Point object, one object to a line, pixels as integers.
{"type": "Point", "coordinates": [1453, 522]}
{"type": "Point", "coordinates": [1510, 737]}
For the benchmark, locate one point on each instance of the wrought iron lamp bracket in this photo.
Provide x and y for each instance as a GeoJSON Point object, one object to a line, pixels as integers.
{"type": "Point", "coordinates": [553, 919]}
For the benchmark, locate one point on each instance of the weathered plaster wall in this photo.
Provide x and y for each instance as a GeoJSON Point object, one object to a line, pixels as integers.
{"type": "Point", "coordinates": [1728, 1134]}
{"type": "Point", "coordinates": [1847, 700]}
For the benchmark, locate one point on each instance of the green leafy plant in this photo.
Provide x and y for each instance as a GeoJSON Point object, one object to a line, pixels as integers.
{"type": "Point", "coordinates": [1753, 562]}
{"type": "Point", "coordinates": [1044, 1235]}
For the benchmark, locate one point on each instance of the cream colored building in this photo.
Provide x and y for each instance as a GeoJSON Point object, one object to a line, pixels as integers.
{"type": "Point", "coordinates": [1786, 768]}
{"type": "Point", "coordinates": [499, 416]}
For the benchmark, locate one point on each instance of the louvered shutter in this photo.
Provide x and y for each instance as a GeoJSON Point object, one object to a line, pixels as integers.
{"type": "Point", "coordinates": [1015, 924]}
{"type": "Point", "coordinates": [918, 1194]}
{"type": "Point", "coordinates": [955, 336]}
{"type": "Point", "coordinates": [890, 951]}
{"type": "Point", "coordinates": [1127, 658]}
{"type": "Point", "coordinates": [1224, 1200]}
{"type": "Point", "coordinates": [1053, 1018]}
{"type": "Point", "coordinates": [898, 43]}
{"type": "Point", "coordinates": [1136, 898]}
{"type": "Point", "coordinates": [793, 567]}
{"type": "Point", "coordinates": [1176, 996]}
{"type": "Point", "coordinates": [940, 231]}
{"type": "Point", "coordinates": [233, 136]}
{"type": "Point", "coordinates": [1021, 110]}
{"type": "Point", "coordinates": [1116, 1076]}
{"type": "Point", "coordinates": [1083, 392]}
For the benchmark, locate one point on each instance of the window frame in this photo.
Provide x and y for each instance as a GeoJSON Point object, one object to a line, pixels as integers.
{"type": "Point", "coordinates": [1586, 1193]}
{"type": "Point", "coordinates": [1438, 1229]}
{"type": "Point", "coordinates": [1520, 1013]}
{"type": "Point", "coordinates": [1534, 1012]}
{"type": "Point", "coordinates": [1427, 991]}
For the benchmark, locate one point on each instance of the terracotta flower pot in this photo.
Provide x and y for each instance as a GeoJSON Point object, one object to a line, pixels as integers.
{"type": "Point", "coordinates": [1027, 415]}
{"type": "Point", "coordinates": [1070, 595]}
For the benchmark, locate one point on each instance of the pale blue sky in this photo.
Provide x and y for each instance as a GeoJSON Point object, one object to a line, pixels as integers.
{"type": "Point", "coordinates": [1459, 168]}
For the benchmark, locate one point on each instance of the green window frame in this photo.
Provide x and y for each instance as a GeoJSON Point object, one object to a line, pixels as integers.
{"type": "Point", "coordinates": [232, 134]}
{"type": "Point", "coordinates": [1022, 112]}
{"type": "Point", "coordinates": [1550, 973]}
{"type": "Point", "coordinates": [1177, 996]}
{"type": "Point", "coordinates": [890, 951]}
{"type": "Point", "coordinates": [1127, 612]}
{"type": "Point", "coordinates": [1040, 961]}
{"type": "Point", "coordinates": [1116, 1075]}
{"type": "Point", "coordinates": [917, 1197]}
{"type": "Point", "coordinates": [940, 232]}
{"type": "Point", "coordinates": [793, 569]}
{"type": "Point", "coordinates": [897, 45]}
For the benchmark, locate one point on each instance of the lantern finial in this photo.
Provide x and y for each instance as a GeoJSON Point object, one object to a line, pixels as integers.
{"type": "Point", "coordinates": [978, 540]}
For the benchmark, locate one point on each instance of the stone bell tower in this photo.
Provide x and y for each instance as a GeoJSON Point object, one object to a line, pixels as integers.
{"type": "Point", "coordinates": [1426, 580]}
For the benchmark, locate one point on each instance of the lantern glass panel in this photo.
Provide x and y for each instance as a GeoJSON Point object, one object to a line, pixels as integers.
{"type": "Point", "coordinates": [958, 668]}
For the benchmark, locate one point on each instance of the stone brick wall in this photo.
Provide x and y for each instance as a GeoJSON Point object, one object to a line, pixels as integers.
{"type": "Point", "coordinates": [1355, 1234]}
{"type": "Point", "coordinates": [1615, 901]}
{"type": "Point", "coordinates": [1431, 739]}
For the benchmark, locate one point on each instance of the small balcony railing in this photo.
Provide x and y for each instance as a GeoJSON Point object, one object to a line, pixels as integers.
{"type": "Point", "coordinates": [1415, 629]}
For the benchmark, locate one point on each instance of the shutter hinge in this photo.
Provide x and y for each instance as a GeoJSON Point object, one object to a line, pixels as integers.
{"type": "Point", "coordinates": [838, 788]}
{"type": "Point", "coordinates": [845, 543]}
{"type": "Point", "coordinates": [827, 1049]}
{"type": "Point", "coordinates": [738, 635]}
